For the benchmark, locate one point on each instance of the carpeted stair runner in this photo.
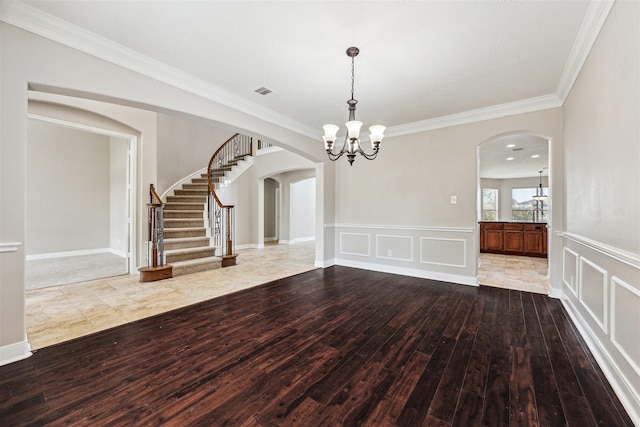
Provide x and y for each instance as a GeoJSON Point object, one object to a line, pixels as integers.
{"type": "Point", "coordinates": [186, 245]}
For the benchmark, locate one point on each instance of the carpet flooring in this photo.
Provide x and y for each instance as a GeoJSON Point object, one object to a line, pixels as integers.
{"type": "Point", "coordinates": [44, 273]}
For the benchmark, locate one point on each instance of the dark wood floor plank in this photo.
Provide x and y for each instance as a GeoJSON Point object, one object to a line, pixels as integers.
{"type": "Point", "coordinates": [550, 412]}
{"type": "Point", "coordinates": [521, 389]}
{"type": "Point", "coordinates": [445, 400]}
{"type": "Point", "coordinates": [334, 346]}
{"type": "Point", "coordinates": [389, 408]}
{"type": "Point", "coordinates": [575, 407]}
{"type": "Point", "coordinates": [417, 406]}
{"type": "Point", "coordinates": [604, 410]}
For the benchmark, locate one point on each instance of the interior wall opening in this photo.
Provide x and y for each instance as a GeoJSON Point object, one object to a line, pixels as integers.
{"type": "Point", "coordinates": [79, 204]}
{"type": "Point", "coordinates": [514, 202]}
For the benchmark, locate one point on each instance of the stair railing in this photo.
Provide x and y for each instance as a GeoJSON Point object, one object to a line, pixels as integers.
{"type": "Point", "coordinates": [155, 243]}
{"type": "Point", "coordinates": [221, 216]}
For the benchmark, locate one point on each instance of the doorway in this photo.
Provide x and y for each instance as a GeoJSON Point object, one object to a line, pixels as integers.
{"type": "Point", "coordinates": [271, 210]}
{"type": "Point", "coordinates": [80, 203]}
{"type": "Point", "coordinates": [514, 199]}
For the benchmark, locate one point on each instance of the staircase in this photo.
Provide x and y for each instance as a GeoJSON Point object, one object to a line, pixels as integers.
{"type": "Point", "coordinates": [187, 246]}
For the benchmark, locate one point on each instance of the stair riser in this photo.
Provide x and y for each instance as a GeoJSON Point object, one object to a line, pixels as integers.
{"type": "Point", "coordinates": [183, 207]}
{"type": "Point", "coordinates": [184, 245]}
{"type": "Point", "coordinates": [194, 186]}
{"type": "Point", "coordinates": [187, 199]}
{"type": "Point", "coordinates": [183, 214]}
{"type": "Point", "coordinates": [191, 255]}
{"type": "Point", "coordinates": [181, 271]}
{"type": "Point", "coordinates": [177, 234]}
{"type": "Point", "coordinates": [201, 192]}
{"type": "Point", "coordinates": [169, 223]}
{"type": "Point", "coordinates": [199, 180]}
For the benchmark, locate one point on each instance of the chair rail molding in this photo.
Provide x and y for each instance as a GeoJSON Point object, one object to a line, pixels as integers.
{"type": "Point", "coordinates": [9, 246]}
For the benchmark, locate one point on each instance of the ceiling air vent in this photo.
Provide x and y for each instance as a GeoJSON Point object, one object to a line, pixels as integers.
{"type": "Point", "coordinates": [517, 149]}
{"type": "Point", "coordinates": [262, 90]}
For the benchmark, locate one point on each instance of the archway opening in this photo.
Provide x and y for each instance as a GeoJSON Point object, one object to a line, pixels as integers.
{"type": "Point", "coordinates": [513, 213]}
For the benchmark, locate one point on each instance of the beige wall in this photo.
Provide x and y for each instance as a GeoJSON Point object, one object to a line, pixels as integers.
{"type": "Point", "coordinates": [395, 213]}
{"type": "Point", "coordinates": [602, 133]}
{"type": "Point", "coordinates": [68, 187]}
{"type": "Point", "coordinates": [601, 242]}
{"type": "Point", "coordinates": [184, 147]}
{"type": "Point", "coordinates": [118, 197]}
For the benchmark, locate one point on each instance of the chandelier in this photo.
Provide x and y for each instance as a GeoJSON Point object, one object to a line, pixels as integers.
{"type": "Point", "coordinates": [539, 193]}
{"type": "Point", "coordinates": [351, 145]}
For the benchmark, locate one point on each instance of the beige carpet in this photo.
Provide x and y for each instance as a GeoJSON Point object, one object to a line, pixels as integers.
{"type": "Point", "coordinates": [44, 273]}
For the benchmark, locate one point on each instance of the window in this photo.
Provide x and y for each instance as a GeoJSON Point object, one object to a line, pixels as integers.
{"type": "Point", "coordinates": [489, 204]}
{"type": "Point", "coordinates": [525, 208]}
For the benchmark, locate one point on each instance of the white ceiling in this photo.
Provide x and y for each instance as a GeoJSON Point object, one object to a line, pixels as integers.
{"type": "Point", "coordinates": [420, 61]}
{"type": "Point", "coordinates": [514, 156]}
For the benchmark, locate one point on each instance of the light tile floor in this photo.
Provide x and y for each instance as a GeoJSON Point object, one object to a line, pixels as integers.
{"type": "Point", "coordinates": [514, 272]}
{"type": "Point", "coordinates": [60, 313]}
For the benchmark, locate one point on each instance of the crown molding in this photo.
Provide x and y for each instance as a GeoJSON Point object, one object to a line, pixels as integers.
{"type": "Point", "coordinates": [493, 112]}
{"type": "Point", "coordinates": [591, 25]}
{"type": "Point", "coordinates": [50, 27]}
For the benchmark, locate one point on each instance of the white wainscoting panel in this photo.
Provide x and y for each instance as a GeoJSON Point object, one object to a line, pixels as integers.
{"type": "Point", "coordinates": [605, 307]}
{"type": "Point", "coordinates": [437, 253]}
{"type": "Point", "coordinates": [570, 270]}
{"type": "Point", "coordinates": [593, 291]}
{"type": "Point", "coordinates": [394, 247]}
{"type": "Point", "coordinates": [355, 244]}
{"type": "Point", "coordinates": [625, 321]}
{"type": "Point", "coordinates": [442, 251]}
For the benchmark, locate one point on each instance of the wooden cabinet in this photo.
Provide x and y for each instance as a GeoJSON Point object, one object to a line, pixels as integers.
{"type": "Point", "coordinates": [514, 238]}
{"type": "Point", "coordinates": [493, 237]}
{"type": "Point", "coordinates": [535, 242]}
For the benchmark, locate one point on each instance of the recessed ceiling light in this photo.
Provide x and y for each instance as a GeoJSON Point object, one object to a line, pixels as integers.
{"type": "Point", "coordinates": [509, 158]}
{"type": "Point", "coordinates": [511, 145]}
{"type": "Point", "coordinates": [535, 156]}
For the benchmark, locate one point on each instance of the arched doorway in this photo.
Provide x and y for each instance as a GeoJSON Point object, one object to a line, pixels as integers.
{"type": "Point", "coordinates": [514, 217]}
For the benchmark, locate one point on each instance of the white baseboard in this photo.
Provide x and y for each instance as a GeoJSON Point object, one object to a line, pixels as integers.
{"type": "Point", "coordinates": [248, 246]}
{"type": "Point", "coordinates": [69, 253]}
{"type": "Point", "coordinates": [324, 264]}
{"type": "Point", "coordinates": [14, 352]}
{"type": "Point", "coordinates": [297, 240]}
{"type": "Point", "coordinates": [412, 272]}
{"type": "Point", "coordinates": [122, 254]}
{"type": "Point", "coordinates": [618, 381]}
{"type": "Point", "coordinates": [270, 239]}
{"type": "Point", "coordinates": [556, 293]}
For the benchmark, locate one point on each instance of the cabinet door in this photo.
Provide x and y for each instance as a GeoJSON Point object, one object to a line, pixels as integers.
{"type": "Point", "coordinates": [533, 242]}
{"type": "Point", "coordinates": [493, 240]}
{"type": "Point", "coordinates": [513, 242]}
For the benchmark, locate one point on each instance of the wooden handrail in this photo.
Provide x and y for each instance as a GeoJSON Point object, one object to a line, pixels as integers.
{"type": "Point", "coordinates": [153, 195]}
{"type": "Point", "coordinates": [212, 188]}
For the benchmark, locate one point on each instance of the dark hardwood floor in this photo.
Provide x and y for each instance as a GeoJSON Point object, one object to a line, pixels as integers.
{"type": "Point", "coordinates": [330, 347]}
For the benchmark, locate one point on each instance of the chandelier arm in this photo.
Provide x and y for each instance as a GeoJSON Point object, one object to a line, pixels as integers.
{"type": "Point", "coordinates": [368, 156]}
{"type": "Point", "coordinates": [333, 157]}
